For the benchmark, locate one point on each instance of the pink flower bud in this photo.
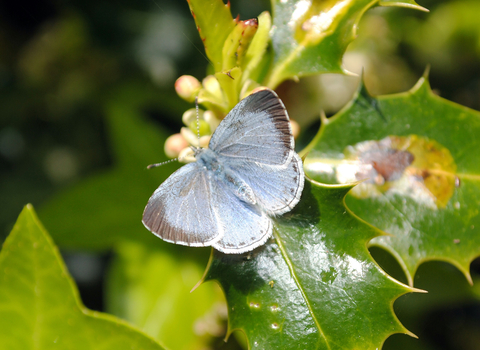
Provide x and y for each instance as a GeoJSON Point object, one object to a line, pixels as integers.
{"type": "Point", "coordinates": [187, 87]}
{"type": "Point", "coordinates": [174, 144]}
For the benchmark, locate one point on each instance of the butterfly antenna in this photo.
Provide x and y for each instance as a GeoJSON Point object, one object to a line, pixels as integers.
{"type": "Point", "coordinates": [162, 163]}
{"type": "Point", "coordinates": [198, 121]}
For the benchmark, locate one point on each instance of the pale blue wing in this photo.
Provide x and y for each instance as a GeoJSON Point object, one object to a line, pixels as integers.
{"type": "Point", "coordinates": [182, 210]}
{"type": "Point", "coordinates": [258, 129]}
{"type": "Point", "coordinates": [277, 189]}
{"type": "Point", "coordinates": [246, 226]}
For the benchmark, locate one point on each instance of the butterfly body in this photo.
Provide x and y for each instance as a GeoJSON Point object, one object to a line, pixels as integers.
{"type": "Point", "coordinates": [226, 198]}
{"type": "Point", "coordinates": [217, 171]}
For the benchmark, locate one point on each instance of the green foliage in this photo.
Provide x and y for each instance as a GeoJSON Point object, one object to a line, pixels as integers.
{"type": "Point", "coordinates": [214, 23]}
{"type": "Point", "coordinates": [310, 38]}
{"type": "Point", "coordinates": [431, 206]}
{"type": "Point", "coordinates": [151, 288]}
{"type": "Point", "coordinates": [314, 285]}
{"type": "Point", "coordinates": [39, 303]}
{"type": "Point", "coordinates": [291, 291]}
{"type": "Point", "coordinates": [108, 206]}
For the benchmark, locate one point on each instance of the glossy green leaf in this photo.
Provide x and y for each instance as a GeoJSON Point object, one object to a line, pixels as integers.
{"type": "Point", "coordinates": [151, 289]}
{"type": "Point", "coordinates": [214, 23]}
{"type": "Point", "coordinates": [315, 286]}
{"type": "Point", "coordinates": [39, 303]}
{"type": "Point", "coordinates": [106, 207]}
{"type": "Point", "coordinates": [310, 37]}
{"type": "Point", "coordinates": [419, 155]}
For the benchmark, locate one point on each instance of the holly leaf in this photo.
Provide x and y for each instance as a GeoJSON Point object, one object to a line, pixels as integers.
{"type": "Point", "coordinates": [315, 286]}
{"type": "Point", "coordinates": [214, 23]}
{"type": "Point", "coordinates": [150, 288]}
{"type": "Point", "coordinates": [310, 37]}
{"type": "Point", "coordinates": [39, 303]}
{"type": "Point", "coordinates": [417, 154]}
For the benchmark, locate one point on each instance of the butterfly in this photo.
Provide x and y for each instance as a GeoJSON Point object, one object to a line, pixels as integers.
{"type": "Point", "coordinates": [248, 174]}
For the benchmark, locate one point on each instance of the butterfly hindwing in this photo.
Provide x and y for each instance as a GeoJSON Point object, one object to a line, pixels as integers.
{"type": "Point", "coordinates": [246, 225]}
{"type": "Point", "coordinates": [182, 209]}
{"type": "Point", "coordinates": [277, 189]}
{"type": "Point", "coordinates": [257, 129]}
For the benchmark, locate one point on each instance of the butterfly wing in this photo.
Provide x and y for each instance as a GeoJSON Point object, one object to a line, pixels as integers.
{"type": "Point", "coordinates": [277, 189]}
{"type": "Point", "coordinates": [258, 129]}
{"type": "Point", "coordinates": [246, 226]}
{"type": "Point", "coordinates": [193, 207]}
{"type": "Point", "coordinates": [181, 211]}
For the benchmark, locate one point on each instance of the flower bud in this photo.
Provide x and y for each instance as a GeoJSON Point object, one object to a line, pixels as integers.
{"type": "Point", "coordinates": [295, 128]}
{"type": "Point", "coordinates": [189, 118]}
{"type": "Point", "coordinates": [187, 87]}
{"type": "Point", "coordinates": [211, 84]}
{"type": "Point", "coordinates": [186, 155]}
{"type": "Point", "coordinates": [174, 145]}
{"type": "Point", "coordinates": [211, 119]}
{"type": "Point", "coordinates": [190, 136]}
{"type": "Point", "coordinates": [203, 127]}
{"type": "Point", "coordinates": [190, 115]}
{"type": "Point", "coordinates": [204, 141]}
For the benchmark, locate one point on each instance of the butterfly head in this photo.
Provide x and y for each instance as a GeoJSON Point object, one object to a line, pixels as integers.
{"type": "Point", "coordinates": [197, 150]}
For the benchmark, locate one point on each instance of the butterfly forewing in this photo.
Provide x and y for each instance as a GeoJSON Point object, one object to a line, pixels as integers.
{"type": "Point", "coordinates": [257, 129]}
{"type": "Point", "coordinates": [181, 210]}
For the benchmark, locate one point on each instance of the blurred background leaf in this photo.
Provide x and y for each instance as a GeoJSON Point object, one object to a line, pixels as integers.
{"type": "Point", "coordinates": [393, 47]}
{"type": "Point", "coordinates": [151, 288]}
{"type": "Point", "coordinates": [62, 66]}
{"type": "Point", "coordinates": [98, 212]}
{"type": "Point", "coordinates": [39, 303]}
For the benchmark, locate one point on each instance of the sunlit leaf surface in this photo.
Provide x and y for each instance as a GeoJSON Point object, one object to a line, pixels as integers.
{"type": "Point", "coordinates": [310, 37]}
{"type": "Point", "coordinates": [214, 23]}
{"type": "Point", "coordinates": [315, 286]}
{"type": "Point", "coordinates": [418, 156]}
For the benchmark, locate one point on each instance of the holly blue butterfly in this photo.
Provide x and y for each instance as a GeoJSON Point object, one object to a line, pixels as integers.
{"type": "Point", "coordinates": [226, 198]}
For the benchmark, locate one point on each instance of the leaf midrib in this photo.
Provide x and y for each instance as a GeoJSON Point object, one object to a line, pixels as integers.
{"type": "Point", "coordinates": [36, 328]}
{"type": "Point", "coordinates": [336, 162]}
{"type": "Point", "coordinates": [300, 287]}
